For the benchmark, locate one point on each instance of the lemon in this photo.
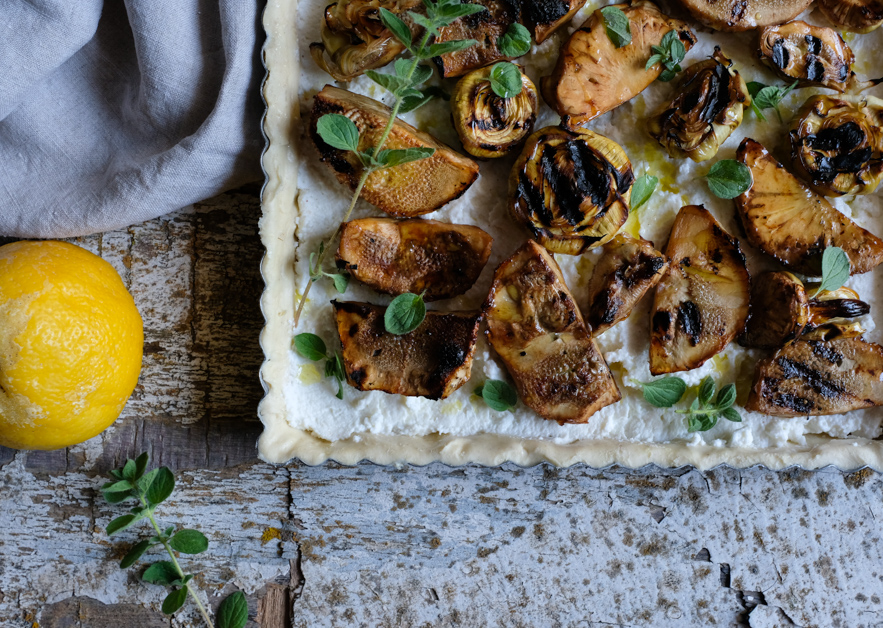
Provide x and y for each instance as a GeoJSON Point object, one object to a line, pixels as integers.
{"type": "Point", "coordinates": [71, 343]}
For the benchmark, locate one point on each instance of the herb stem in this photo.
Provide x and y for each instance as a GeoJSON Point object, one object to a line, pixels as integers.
{"type": "Point", "coordinates": [365, 174]}
{"type": "Point", "coordinates": [171, 553]}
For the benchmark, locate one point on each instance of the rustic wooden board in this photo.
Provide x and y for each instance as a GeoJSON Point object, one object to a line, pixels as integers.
{"type": "Point", "coordinates": [372, 546]}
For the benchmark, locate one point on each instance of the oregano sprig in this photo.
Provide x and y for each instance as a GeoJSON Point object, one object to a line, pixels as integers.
{"type": "Point", "coordinates": [149, 489]}
{"type": "Point", "coordinates": [768, 97]}
{"type": "Point", "coordinates": [706, 409]}
{"type": "Point", "coordinates": [669, 54]}
{"type": "Point", "coordinates": [312, 347]}
{"type": "Point", "coordinates": [403, 83]}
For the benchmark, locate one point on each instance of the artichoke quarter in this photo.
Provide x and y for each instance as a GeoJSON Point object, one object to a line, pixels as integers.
{"type": "Point", "coordinates": [571, 189]}
{"type": "Point", "coordinates": [837, 144]}
{"type": "Point", "coordinates": [708, 107]}
{"type": "Point", "coordinates": [490, 125]}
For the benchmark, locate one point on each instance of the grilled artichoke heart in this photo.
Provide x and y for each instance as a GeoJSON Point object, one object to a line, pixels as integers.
{"type": "Point", "coordinates": [488, 125]}
{"type": "Point", "coordinates": [410, 189]}
{"type": "Point", "coordinates": [781, 312]}
{"type": "Point", "coordinates": [785, 219]}
{"type": "Point", "coordinates": [837, 144]}
{"type": "Point", "coordinates": [437, 259]}
{"type": "Point", "coordinates": [432, 361]}
{"type": "Point", "coordinates": [354, 39]}
{"type": "Point", "coordinates": [546, 16]}
{"type": "Point", "coordinates": [814, 55]}
{"type": "Point", "coordinates": [858, 16]}
{"type": "Point", "coordinates": [743, 15]}
{"type": "Point", "coordinates": [592, 76]}
{"type": "Point", "coordinates": [536, 327]}
{"type": "Point", "coordinates": [701, 303]}
{"type": "Point", "coordinates": [708, 107]}
{"type": "Point", "coordinates": [811, 377]}
{"type": "Point", "coordinates": [571, 189]}
{"type": "Point", "coordinates": [485, 27]}
{"type": "Point", "coordinates": [628, 268]}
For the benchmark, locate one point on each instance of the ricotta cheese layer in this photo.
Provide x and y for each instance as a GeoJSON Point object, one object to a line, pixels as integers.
{"type": "Point", "coordinates": [305, 419]}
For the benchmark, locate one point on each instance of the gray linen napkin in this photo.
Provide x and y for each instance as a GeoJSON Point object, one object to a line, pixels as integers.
{"type": "Point", "coordinates": [112, 113]}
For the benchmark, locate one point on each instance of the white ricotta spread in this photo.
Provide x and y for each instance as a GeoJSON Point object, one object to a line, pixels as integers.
{"type": "Point", "coordinates": [308, 400]}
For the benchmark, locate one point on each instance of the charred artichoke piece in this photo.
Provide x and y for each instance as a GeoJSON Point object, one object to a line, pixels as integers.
{"type": "Point", "coordinates": [432, 361]}
{"type": "Point", "coordinates": [811, 378]}
{"type": "Point", "coordinates": [546, 16]}
{"type": "Point", "coordinates": [708, 107]}
{"type": "Point", "coordinates": [781, 311]}
{"type": "Point", "coordinates": [784, 218]}
{"type": "Point", "coordinates": [858, 16]}
{"type": "Point", "coordinates": [410, 189]}
{"type": "Point", "coordinates": [571, 189]}
{"type": "Point", "coordinates": [743, 15]}
{"type": "Point", "coordinates": [628, 268]}
{"type": "Point", "coordinates": [536, 327]}
{"type": "Point", "coordinates": [354, 39]}
{"type": "Point", "coordinates": [814, 55]}
{"type": "Point", "coordinates": [592, 76]}
{"type": "Point", "coordinates": [837, 144]}
{"type": "Point", "coordinates": [488, 125]}
{"type": "Point", "coordinates": [398, 256]}
{"type": "Point", "coordinates": [486, 27]}
{"type": "Point", "coordinates": [701, 303]}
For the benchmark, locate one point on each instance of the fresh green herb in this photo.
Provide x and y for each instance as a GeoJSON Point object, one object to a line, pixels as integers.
{"type": "Point", "coordinates": [707, 408]}
{"type": "Point", "coordinates": [515, 42]}
{"type": "Point", "coordinates": [405, 313]}
{"type": "Point", "coordinates": [312, 347]}
{"type": "Point", "coordinates": [665, 392]}
{"type": "Point", "coordinates": [835, 269]}
{"type": "Point", "coordinates": [617, 26]}
{"type": "Point", "coordinates": [408, 75]}
{"type": "Point", "coordinates": [149, 489]}
{"type": "Point", "coordinates": [642, 190]}
{"type": "Point", "coordinates": [669, 54]}
{"type": "Point", "coordinates": [768, 97]}
{"type": "Point", "coordinates": [505, 80]}
{"type": "Point", "coordinates": [729, 178]}
{"type": "Point", "coordinates": [498, 395]}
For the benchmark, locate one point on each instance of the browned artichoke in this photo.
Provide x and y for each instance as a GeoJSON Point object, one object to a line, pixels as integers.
{"type": "Point", "coordinates": [814, 55]}
{"type": "Point", "coordinates": [571, 189]}
{"type": "Point", "coordinates": [858, 16]}
{"type": "Point", "coordinates": [781, 311]}
{"type": "Point", "coordinates": [354, 39]}
{"type": "Point", "coordinates": [489, 125]}
{"type": "Point", "coordinates": [837, 144]}
{"type": "Point", "coordinates": [707, 108]}
{"type": "Point", "coordinates": [743, 15]}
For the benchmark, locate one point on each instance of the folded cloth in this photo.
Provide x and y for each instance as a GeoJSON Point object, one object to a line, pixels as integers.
{"type": "Point", "coordinates": [115, 113]}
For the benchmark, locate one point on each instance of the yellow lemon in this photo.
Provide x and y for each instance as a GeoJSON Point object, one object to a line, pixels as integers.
{"type": "Point", "coordinates": [71, 342]}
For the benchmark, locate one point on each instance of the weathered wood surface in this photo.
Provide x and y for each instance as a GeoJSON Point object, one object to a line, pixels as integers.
{"type": "Point", "coordinates": [371, 546]}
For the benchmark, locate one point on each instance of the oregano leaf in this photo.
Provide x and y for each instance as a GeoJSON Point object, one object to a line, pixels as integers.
{"type": "Point", "coordinates": [447, 47]}
{"type": "Point", "coordinates": [233, 611]}
{"type": "Point", "coordinates": [731, 414]}
{"type": "Point", "coordinates": [505, 79]}
{"type": "Point", "coordinates": [338, 131]}
{"type": "Point", "coordinates": [404, 314]}
{"type": "Point", "coordinates": [389, 82]}
{"type": "Point", "coordinates": [706, 390]}
{"type": "Point", "coordinates": [396, 26]}
{"type": "Point", "coordinates": [161, 572]}
{"type": "Point", "coordinates": [341, 281]}
{"type": "Point", "coordinates": [515, 42]}
{"type": "Point", "coordinates": [729, 178]}
{"type": "Point", "coordinates": [189, 542]}
{"type": "Point", "coordinates": [642, 190]}
{"type": "Point", "coordinates": [129, 469]}
{"type": "Point", "coordinates": [726, 397]}
{"type": "Point", "coordinates": [835, 269]}
{"type": "Point", "coordinates": [161, 487]}
{"type": "Point", "coordinates": [134, 554]}
{"type": "Point", "coordinates": [174, 601]}
{"type": "Point", "coordinates": [665, 392]}
{"type": "Point", "coordinates": [616, 23]}
{"type": "Point", "coordinates": [392, 157]}
{"type": "Point", "coordinates": [498, 395]}
{"type": "Point", "coordinates": [141, 464]}
{"type": "Point", "coordinates": [119, 524]}
{"type": "Point", "coordinates": [310, 346]}
{"type": "Point", "coordinates": [122, 486]}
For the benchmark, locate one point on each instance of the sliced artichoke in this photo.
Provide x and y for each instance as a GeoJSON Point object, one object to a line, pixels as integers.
{"type": "Point", "coordinates": [546, 16]}
{"type": "Point", "coordinates": [811, 378]}
{"type": "Point", "coordinates": [707, 108]}
{"type": "Point", "coordinates": [536, 327]}
{"type": "Point", "coordinates": [858, 16]}
{"type": "Point", "coordinates": [435, 258]}
{"type": "Point", "coordinates": [701, 303]}
{"type": "Point", "coordinates": [837, 144]}
{"type": "Point", "coordinates": [781, 312]}
{"type": "Point", "coordinates": [743, 15]}
{"type": "Point", "coordinates": [593, 76]}
{"type": "Point", "coordinates": [354, 39]}
{"type": "Point", "coordinates": [489, 125]}
{"type": "Point", "coordinates": [432, 361]}
{"type": "Point", "coordinates": [571, 189]}
{"type": "Point", "coordinates": [410, 189]}
{"type": "Point", "coordinates": [785, 219]}
{"type": "Point", "coordinates": [486, 28]}
{"type": "Point", "coordinates": [628, 268]}
{"type": "Point", "coordinates": [813, 55]}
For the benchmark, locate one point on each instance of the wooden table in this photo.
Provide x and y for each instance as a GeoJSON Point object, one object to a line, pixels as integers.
{"type": "Point", "coordinates": [372, 546]}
